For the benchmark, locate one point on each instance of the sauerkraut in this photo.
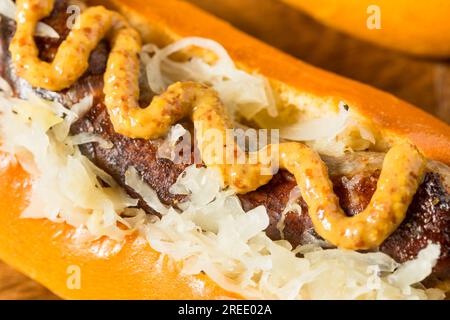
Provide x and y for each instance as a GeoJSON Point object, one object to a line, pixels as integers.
{"type": "Point", "coordinates": [213, 234]}
{"type": "Point", "coordinates": [67, 186]}
{"type": "Point", "coordinates": [8, 9]}
{"type": "Point", "coordinates": [236, 88]}
{"type": "Point", "coordinates": [331, 133]}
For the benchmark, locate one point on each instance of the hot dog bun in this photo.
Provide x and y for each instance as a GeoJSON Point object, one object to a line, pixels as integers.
{"type": "Point", "coordinates": [419, 27]}
{"type": "Point", "coordinates": [45, 251]}
{"type": "Point", "coordinates": [132, 270]}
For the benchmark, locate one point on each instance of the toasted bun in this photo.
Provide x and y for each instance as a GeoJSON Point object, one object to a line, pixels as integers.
{"type": "Point", "coordinates": [47, 252]}
{"type": "Point", "coordinates": [419, 27]}
{"type": "Point", "coordinates": [132, 270]}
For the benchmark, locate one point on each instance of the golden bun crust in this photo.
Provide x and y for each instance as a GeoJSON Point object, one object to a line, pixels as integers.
{"type": "Point", "coordinates": [131, 270]}
{"type": "Point", "coordinates": [419, 27]}
{"type": "Point", "coordinates": [46, 251]}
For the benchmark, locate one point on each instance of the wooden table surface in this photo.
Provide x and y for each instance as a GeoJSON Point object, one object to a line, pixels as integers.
{"type": "Point", "coordinates": [424, 83]}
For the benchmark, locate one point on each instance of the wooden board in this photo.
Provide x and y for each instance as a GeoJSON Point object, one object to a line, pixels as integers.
{"type": "Point", "coordinates": [424, 83]}
{"type": "Point", "coordinates": [14, 285]}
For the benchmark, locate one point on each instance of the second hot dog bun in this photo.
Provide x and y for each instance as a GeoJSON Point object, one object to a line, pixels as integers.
{"type": "Point", "coordinates": [132, 270]}
{"type": "Point", "coordinates": [419, 27]}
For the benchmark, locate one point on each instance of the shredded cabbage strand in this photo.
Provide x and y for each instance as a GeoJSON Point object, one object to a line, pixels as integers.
{"type": "Point", "coordinates": [237, 88]}
{"type": "Point", "coordinates": [324, 127]}
{"type": "Point", "coordinates": [66, 184]}
{"type": "Point", "coordinates": [211, 233]}
{"type": "Point", "coordinates": [8, 9]}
